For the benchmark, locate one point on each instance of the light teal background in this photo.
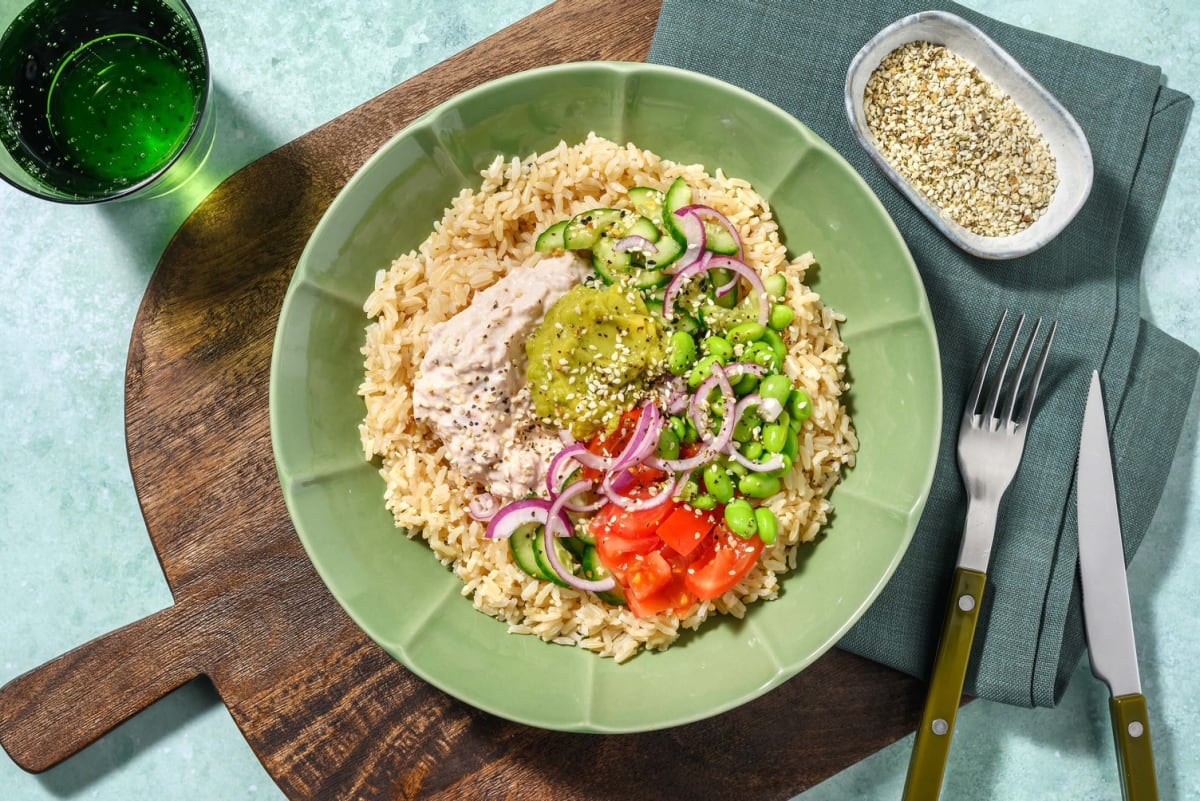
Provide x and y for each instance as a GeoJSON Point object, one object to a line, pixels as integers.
{"type": "Point", "coordinates": [75, 560]}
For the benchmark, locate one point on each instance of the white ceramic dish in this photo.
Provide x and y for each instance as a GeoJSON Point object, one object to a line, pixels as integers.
{"type": "Point", "coordinates": [1072, 155]}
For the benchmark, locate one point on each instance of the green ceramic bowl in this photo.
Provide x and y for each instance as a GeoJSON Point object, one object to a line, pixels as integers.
{"type": "Point", "coordinates": [396, 590]}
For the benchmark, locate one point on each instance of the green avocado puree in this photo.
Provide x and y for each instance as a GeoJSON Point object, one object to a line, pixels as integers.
{"type": "Point", "coordinates": [592, 358]}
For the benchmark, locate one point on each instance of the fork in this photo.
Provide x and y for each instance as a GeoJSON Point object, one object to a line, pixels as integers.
{"type": "Point", "coordinates": [991, 440]}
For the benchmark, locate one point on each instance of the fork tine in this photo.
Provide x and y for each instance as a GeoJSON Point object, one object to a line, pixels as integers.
{"type": "Point", "coordinates": [1027, 406]}
{"type": "Point", "coordinates": [1011, 403]}
{"type": "Point", "coordinates": [984, 363]}
{"type": "Point", "coordinates": [994, 397]}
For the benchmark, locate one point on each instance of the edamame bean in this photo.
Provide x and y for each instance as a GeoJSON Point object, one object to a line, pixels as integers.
{"type": "Point", "coordinates": [768, 526]}
{"type": "Point", "coordinates": [739, 516]}
{"type": "Point", "coordinates": [743, 429]}
{"type": "Point", "coordinates": [703, 501]}
{"type": "Point", "coordinates": [761, 353]}
{"type": "Point", "coordinates": [745, 384]}
{"type": "Point", "coordinates": [781, 316]}
{"type": "Point", "coordinates": [720, 347]}
{"type": "Point", "coordinates": [736, 468]}
{"type": "Point", "coordinates": [758, 485]}
{"type": "Point", "coordinates": [690, 434]}
{"type": "Point", "coordinates": [776, 285]}
{"type": "Point", "coordinates": [718, 483]}
{"type": "Point", "coordinates": [773, 339]}
{"type": "Point", "coordinates": [701, 371]}
{"type": "Point", "coordinates": [668, 444]}
{"type": "Point", "coordinates": [688, 491]}
{"type": "Point", "coordinates": [677, 426]}
{"type": "Point", "coordinates": [775, 436]}
{"type": "Point", "coordinates": [752, 450]}
{"type": "Point", "coordinates": [799, 404]}
{"type": "Point", "coordinates": [744, 333]}
{"type": "Point", "coordinates": [681, 352]}
{"type": "Point", "coordinates": [776, 387]}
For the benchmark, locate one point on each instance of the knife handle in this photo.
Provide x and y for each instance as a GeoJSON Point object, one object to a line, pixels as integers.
{"type": "Point", "coordinates": [928, 762]}
{"type": "Point", "coordinates": [1131, 730]}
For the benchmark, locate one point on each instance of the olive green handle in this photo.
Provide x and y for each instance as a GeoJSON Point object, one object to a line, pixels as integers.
{"type": "Point", "coordinates": [1131, 728]}
{"type": "Point", "coordinates": [928, 762]}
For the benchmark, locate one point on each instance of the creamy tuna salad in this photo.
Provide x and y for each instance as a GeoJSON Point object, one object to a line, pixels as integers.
{"type": "Point", "coordinates": [604, 395]}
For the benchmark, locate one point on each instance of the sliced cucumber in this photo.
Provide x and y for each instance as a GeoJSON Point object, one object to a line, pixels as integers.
{"type": "Point", "coordinates": [521, 546]}
{"type": "Point", "coordinates": [718, 240]}
{"type": "Point", "coordinates": [669, 250]}
{"type": "Point", "coordinates": [648, 202]}
{"type": "Point", "coordinates": [611, 268]}
{"type": "Point", "coordinates": [679, 194]}
{"type": "Point", "coordinates": [575, 545]}
{"type": "Point", "coordinates": [551, 238]}
{"type": "Point", "coordinates": [584, 230]}
{"type": "Point", "coordinates": [635, 225]}
{"type": "Point", "coordinates": [568, 560]}
{"type": "Point", "coordinates": [594, 570]}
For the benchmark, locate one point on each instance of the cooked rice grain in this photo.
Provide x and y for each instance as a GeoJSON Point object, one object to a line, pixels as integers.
{"type": "Point", "coordinates": [483, 234]}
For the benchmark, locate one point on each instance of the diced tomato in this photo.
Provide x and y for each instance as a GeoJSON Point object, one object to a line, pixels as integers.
{"type": "Point", "coordinates": [646, 574]}
{"type": "Point", "coordinates": [613, 443]}
{"type": "Point", "coordinates": [685, 528]}
{"type": "Point", "coordinates": [725, 560]}
{"type": "Point", "coordinates": [673, 596]}
{"type": "Point", "coordinates": [612, 520]}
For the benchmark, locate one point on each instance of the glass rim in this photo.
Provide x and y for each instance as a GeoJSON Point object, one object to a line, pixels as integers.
{"type": "Point", "coordinates": [196, 128]}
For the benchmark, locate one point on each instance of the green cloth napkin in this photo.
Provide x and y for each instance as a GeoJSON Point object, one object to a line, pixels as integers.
{"type": "Point", "coordinates": [1031, 638]}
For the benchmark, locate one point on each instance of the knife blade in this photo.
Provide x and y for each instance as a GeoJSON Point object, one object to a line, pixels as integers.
{"type": "Point", "coordinates": [1108, 620]}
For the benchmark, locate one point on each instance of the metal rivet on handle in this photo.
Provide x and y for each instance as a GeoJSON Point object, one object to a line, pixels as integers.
{"type": "Point", "coordinates": [939, 726]}
{"type": "Point", "coordinates": [966, 603]}
{"type": "Point", "coordinates": [1136, 729]}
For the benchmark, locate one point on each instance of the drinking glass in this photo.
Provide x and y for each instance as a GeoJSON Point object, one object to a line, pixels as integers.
{"type": "Point", "coordinates": [102, 100]}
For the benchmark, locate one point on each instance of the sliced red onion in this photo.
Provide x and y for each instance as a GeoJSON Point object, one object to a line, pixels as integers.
{"type": "Point", "coordinates": [751, 275]}
{"type": "Point", "coordinates": [561, 468]}
{"type": "Point", "coordinates": [774, 463]}
{"type": "Point", "coordinates": [520, 513]}
{"type": "Point", "coordinates": [693, 232]}
{"type": "Point", "coordinates": [558, 528]}
{"type": "Point", "coordinates": [708, 212]}
{"type": "Point", "coordinates": [643, 440]}
{"type": "Point", "coordinates": [637, 504]}
{"type": "Point", "coordinates": [769, 409]}
{"type": "Point", "coordinates": [698, 412]}
{"type": "Point", "coordinates": [639, 243]}
{"type": "Point", "coordinates": [483, 507]}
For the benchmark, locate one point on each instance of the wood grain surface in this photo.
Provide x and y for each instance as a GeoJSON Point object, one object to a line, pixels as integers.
{"type": "Point", "coordinates": [329, 713]}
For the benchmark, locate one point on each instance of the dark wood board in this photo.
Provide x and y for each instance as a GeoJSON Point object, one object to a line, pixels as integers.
{"type": "Point", "coordinates": [329, 713]}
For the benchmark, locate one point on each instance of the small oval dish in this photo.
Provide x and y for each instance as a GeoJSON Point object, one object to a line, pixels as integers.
{"type": "Point", "coordinates": [1066, 141]}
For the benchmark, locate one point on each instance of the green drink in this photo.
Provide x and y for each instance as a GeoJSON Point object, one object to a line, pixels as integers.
{"type": "Point", "coordinates": [99, 99]}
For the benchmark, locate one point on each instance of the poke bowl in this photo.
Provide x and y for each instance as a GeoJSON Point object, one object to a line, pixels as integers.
{"type": "Point", "coordinates": [410, 597]}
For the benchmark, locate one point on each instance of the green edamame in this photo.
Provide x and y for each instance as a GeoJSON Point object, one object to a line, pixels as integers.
{"type": "Point", "coordinates": [775, 436]}
{"type": "Point", "coordinates": [745, 384]}
{"type": "Point", "coordinates": [720, 347]}
{"type": "Point", "coordinates": [718, 483]}
{"type": "Point", "coordinates": [668, 444]}
{"type": "Point", "coordinates": [781, 316]}
{"type": "Point", "coordinates": [773, 339]}
{"type": "Point", "coordinates": [681, 352]}
{"type": "Point", "coordinates": [739, 516]}
{"type": "Point", "coordinates": [677, 426]}
{"type": "Point", "coordinates": [744, 333]}
{"type": "Point", "coordinates": [736, 468]}
{"type": "Point", "coordinates": [776, 387]}
{"type": "Point", "coordinates": [758, 485]}
{"type": "Point", "coordinates": [768, 526]}
{"type": "Point", "coordinates": [752, 450]}
{"type": "Point", "coordinates": [703, 501]}
{"type": "Point", "coordinates": [701, 371]}
{"type": "Point", "coordinates": [800, 405]}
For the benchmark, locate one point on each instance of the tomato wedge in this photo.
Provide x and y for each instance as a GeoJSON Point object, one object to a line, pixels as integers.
{"type": "Point", "coordinates": [686, 528]}
{"type": "Point", "coordinates": [725, 560]}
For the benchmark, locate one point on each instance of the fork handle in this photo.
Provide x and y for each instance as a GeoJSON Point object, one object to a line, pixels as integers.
{"type": "Point", "coordinates": [928, 762]}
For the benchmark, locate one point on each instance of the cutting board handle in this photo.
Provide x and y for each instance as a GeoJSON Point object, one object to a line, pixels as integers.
{"type": "Point", "coordinates": [53, 711]}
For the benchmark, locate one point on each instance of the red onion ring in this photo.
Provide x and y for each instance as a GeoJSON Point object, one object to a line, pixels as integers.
{"type": "Point", "coordinates": [694, 234]}
{"type": "Point", "coordinates": [643, 440]}
{"type": "Point", "coordinates": [634, 242]}
{"type": "Point", "coordinates": [558, 528]}
{"type": "Point", "coordinates": [680, 278]}
{"type": "Point", "coordinates": [720, 219]}
{"type": "Point", "coordinates": [483, 507]}
{"type": "Point", "coordinates": [774, 463]}
{"type": "Point", "coordinates": [638, 504]}
{"type": "Point", "coordinates": [520, 513]}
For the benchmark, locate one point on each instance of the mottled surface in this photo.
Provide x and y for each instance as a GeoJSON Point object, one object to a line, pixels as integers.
{"type": "Point", "coordinates": [75, 560]}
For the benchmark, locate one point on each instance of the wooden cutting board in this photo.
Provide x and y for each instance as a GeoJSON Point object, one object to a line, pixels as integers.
{"type": "Point", "coordinates": [329, 713]}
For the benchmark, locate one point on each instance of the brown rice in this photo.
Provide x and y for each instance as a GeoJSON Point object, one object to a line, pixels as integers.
{"type": "Point", "coordinates": [483, 234]}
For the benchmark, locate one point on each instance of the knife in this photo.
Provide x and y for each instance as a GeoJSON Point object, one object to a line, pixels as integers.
{"type": "Point", "coordinates": [1107, 618]}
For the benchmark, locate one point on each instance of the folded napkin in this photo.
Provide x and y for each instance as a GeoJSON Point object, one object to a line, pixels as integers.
{"type": "Point", "coordinates": [1030, 637]}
